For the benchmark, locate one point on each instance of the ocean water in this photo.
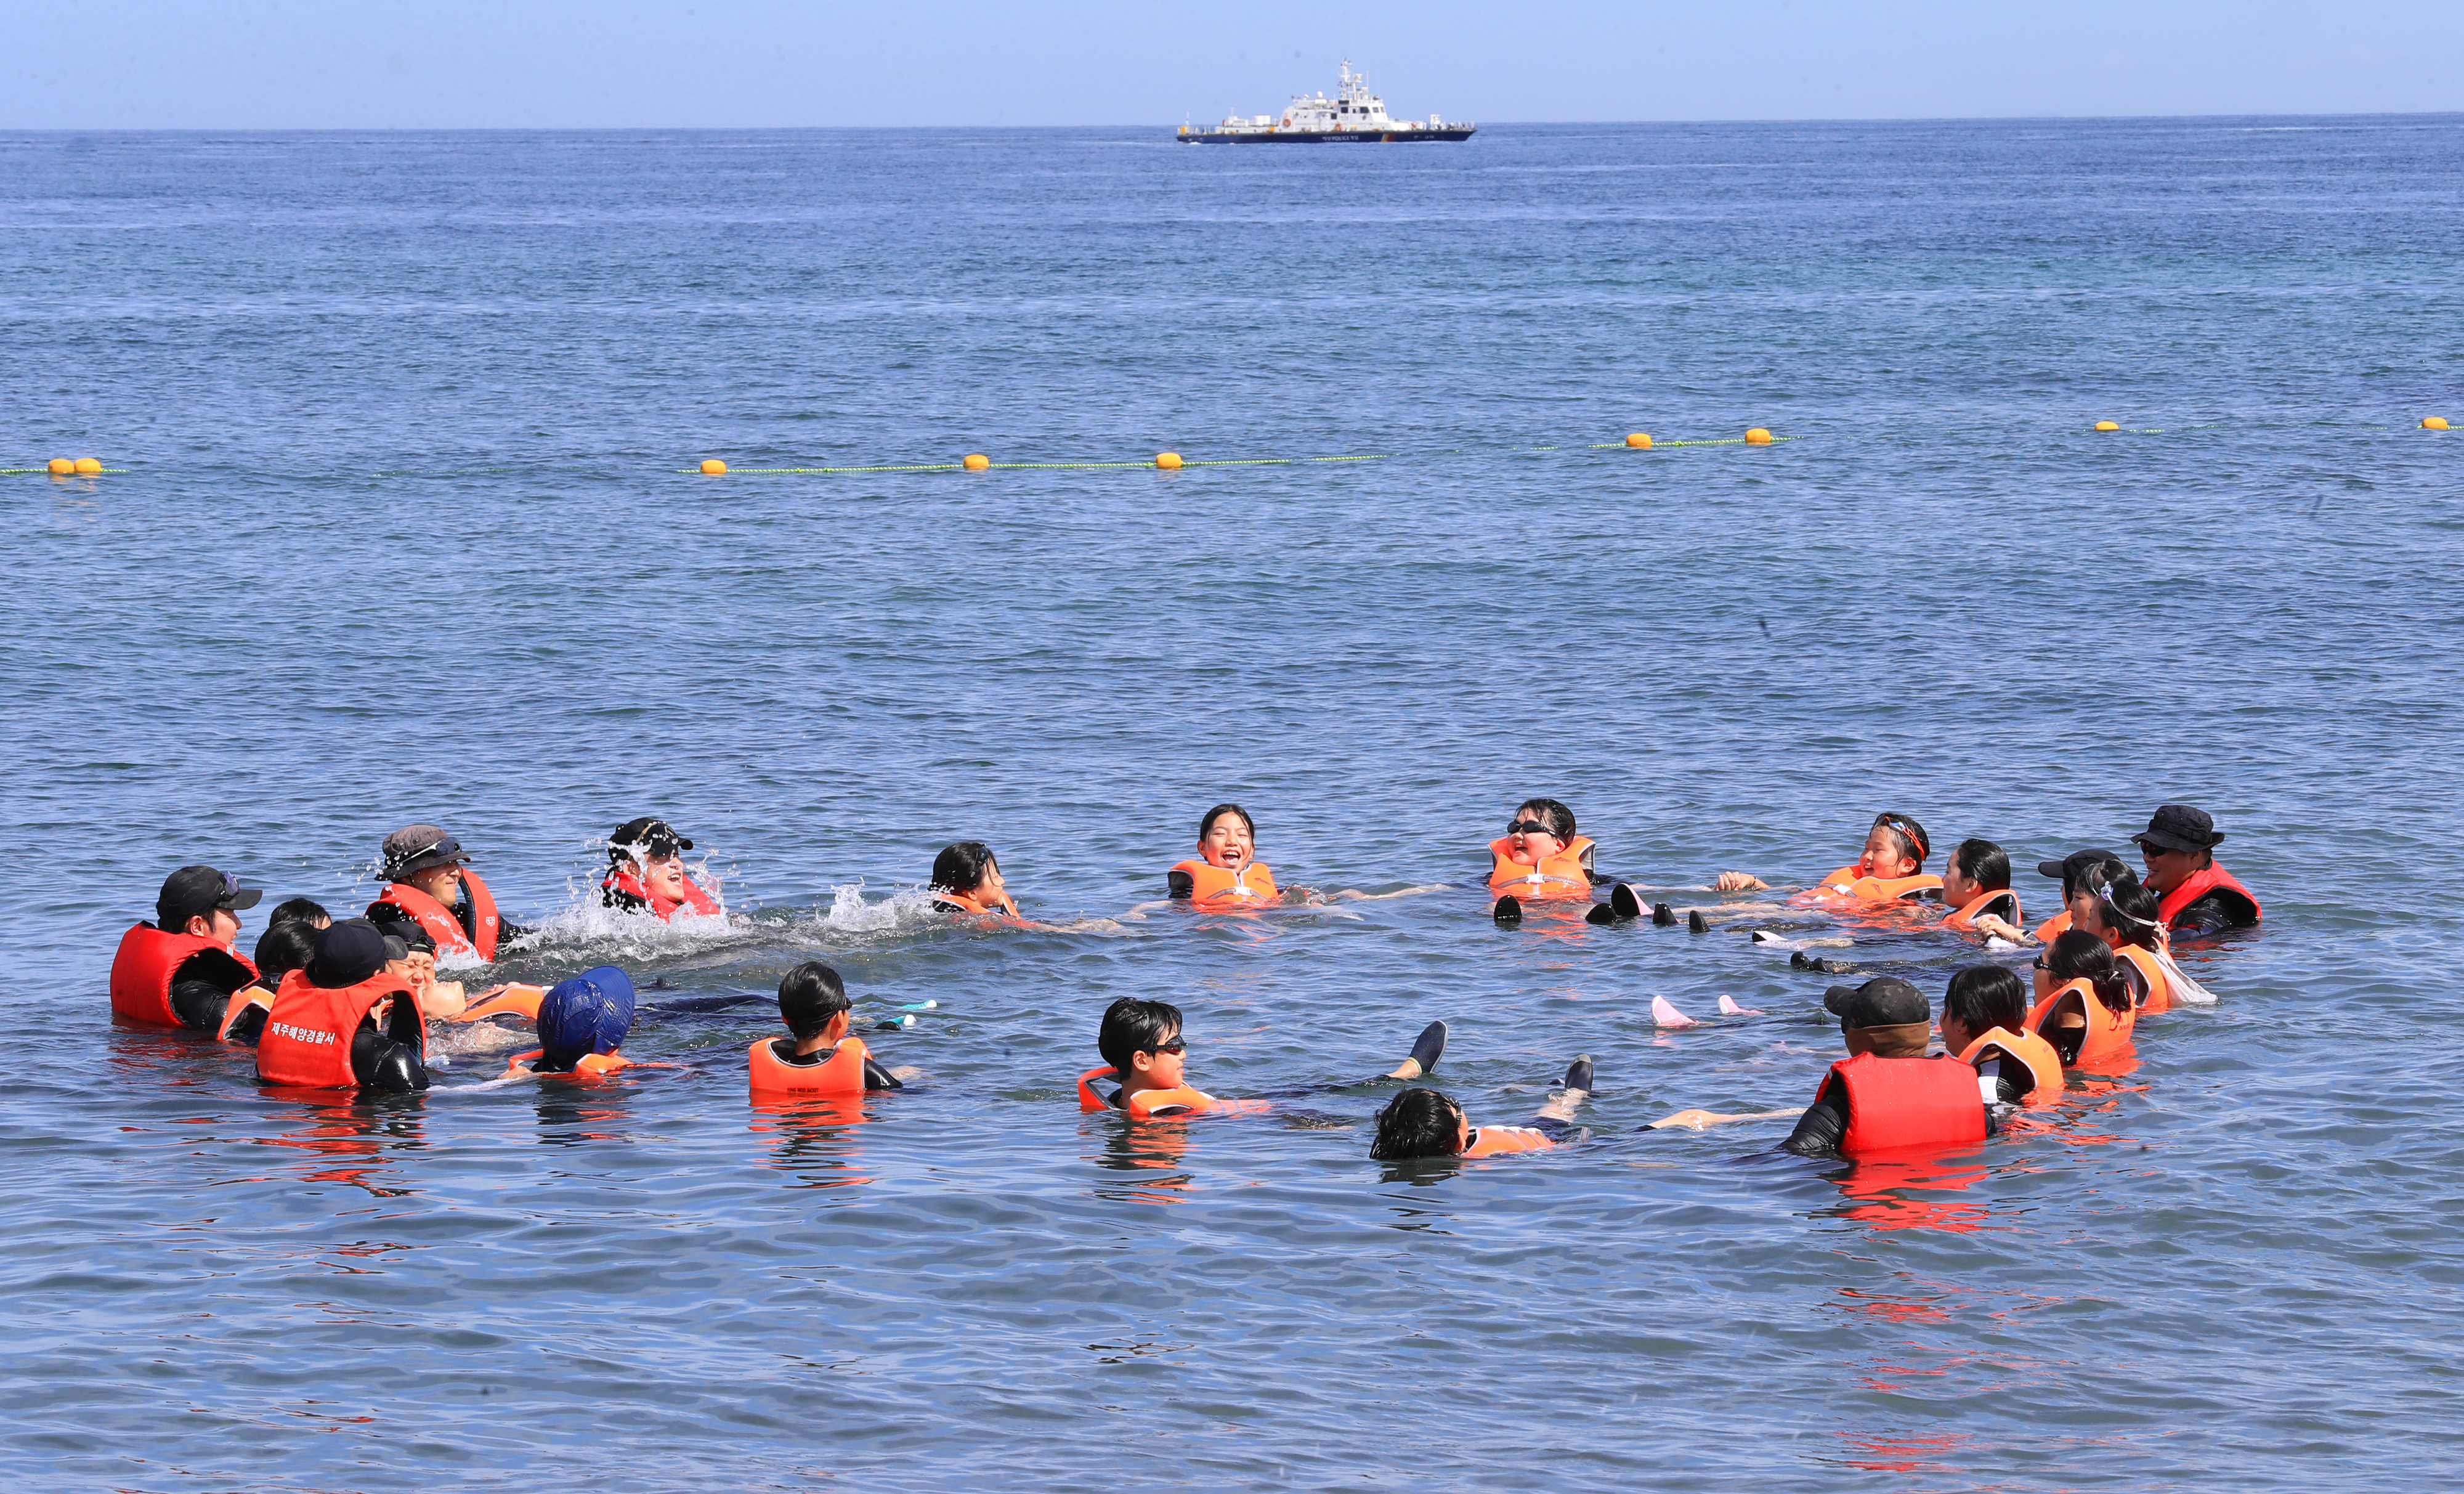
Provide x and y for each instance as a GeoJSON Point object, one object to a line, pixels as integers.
{"type": "Point", "coordinates": [402, 528]}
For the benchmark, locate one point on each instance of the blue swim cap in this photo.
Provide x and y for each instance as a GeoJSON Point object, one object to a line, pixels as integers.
{"type": "Point", "coordinates": [589, 1013]}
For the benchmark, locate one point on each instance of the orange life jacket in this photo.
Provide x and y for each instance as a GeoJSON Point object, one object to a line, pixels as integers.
{"type": "Point", "coordinates": [1908, 1102]}
{"type": "Point", "coordinates": [627, 881]}
{"type": "Point", "coordinates": [2053, 928]}
{"type": "Point", "coordinates": [966, 903]}
{"type": "Point", "coordinates": [1965, 918]}
{"type": "Point", "coordinates": [841, 1073]}
{"type": "Point", "coordinates": [590, 1066]}
{"type": "Point", "coordinates": [439, 920]}
{"type": "Point", "coordinates": [513, 1000]}
{"type": "Point", "coordinates": [1144, 1105]}
{"type": "Point", "coordinates": [2029, 1051]}
{"type": "Point", "coordinates": [1088, 1098]}
{"type": "Point", "coordinates": [238, 1007]}
{"type": "Point", "coordinates": [148, 961]}
{"type": "Point", "coordinates": [2212, 879]}
{"type": "Point", "coordinates": [1566, 873]}
{"type": "Point", "coordinates": [1211, 885]}
{"type": "Point", "coordinates": [1851, 883]}
{"type": "Point", "coordinates": [1497, 1140]}
{"type": "Point", "coordinates": [307, 1039]}
{"type": "Point", "coordinates": [2149, 989]}
{"type": "Point", "coordinates": [2108, 1031]}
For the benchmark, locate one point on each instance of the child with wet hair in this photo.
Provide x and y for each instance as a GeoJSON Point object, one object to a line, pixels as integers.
{"type": "Point", "coordinates": [1226, 871]}
{"type": "Point", "coordinates": [1976, 889]}
{"type": "Point", "coordinates": [2062, 1017]}
{"type": "Point", "coordinates": [813, 1002]}
{"type": "Point", "coordinates": [967, 879]}
{"type": "Point", "coordinates": [1426, 1123]}
{"type": "Point", "coordinates": [1985, 1025]}
{"type": "Point", "coordinates": [1541, 858]}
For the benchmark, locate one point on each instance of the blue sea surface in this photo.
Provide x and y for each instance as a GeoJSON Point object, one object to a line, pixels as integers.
{"type": "Point", "coordinates": [403, 525]}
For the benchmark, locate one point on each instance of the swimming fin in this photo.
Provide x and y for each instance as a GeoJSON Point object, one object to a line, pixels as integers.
{"type": "Point", "coordinates": [1429, 1046]}
{"type": "Point", "coordinates": [1623, 900]}
{"type": "Point", "coordinates": [1695, 923]}
{"type": "Point", "coordinates": [1602, 915]}
{"type": "Point", "coordinates": [1578, 1073]}
{"type": "Point", "coordinates": [1662, 915]}
{"type": "Point", "coordinates": [1507, 912]}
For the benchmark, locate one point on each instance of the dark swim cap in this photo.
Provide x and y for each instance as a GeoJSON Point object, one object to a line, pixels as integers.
{"type": "Point", "coordinates": [589, 1013]}
{"type": "Point", "coordinates": [347, 953]}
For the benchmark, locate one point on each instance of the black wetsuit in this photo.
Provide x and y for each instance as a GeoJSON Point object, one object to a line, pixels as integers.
{"type": "Point", "coordinates": [389, 1058]}
{"type": "Point", "coordinates": [876, 1077]}
{"type": "Point", "coordinates": [1824, 1125]}
{"type": "Point", "coordinates": [2213, 914]}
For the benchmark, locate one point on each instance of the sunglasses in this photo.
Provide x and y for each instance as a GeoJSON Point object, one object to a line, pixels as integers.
{"type": "Point", "coordinates": [1528, 827]}
{"type": "Point", "coordinates": [2040, 963]}
{"type": "Point", "coordinates": [1176, 1046]}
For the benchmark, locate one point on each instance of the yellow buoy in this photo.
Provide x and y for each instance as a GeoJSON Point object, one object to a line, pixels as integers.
{"type": "Point", "coordinates": [88, 466]}
{"type": "Point", "coordinates": [712, 467]}
{"type": "Point", "coordinates": [61, 467]}
{"type": "Point", "coordinates": [2434, 422]}
{"type": "Point", "coordinates": [2109, 424]}
{"type": "Point", "coordinates": [975, 461]}
{"type": "Point", "coordinates": [1168, 461]}
{"type": "Point", "coordinates": [1758, 436]}
{"type": "Point", "coordinates": [1638, 441]}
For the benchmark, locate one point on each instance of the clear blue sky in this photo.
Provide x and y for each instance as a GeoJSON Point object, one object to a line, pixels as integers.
{"type": "Point", "coordinates": [585, 63]}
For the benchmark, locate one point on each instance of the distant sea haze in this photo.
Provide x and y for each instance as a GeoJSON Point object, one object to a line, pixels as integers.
{"type": "Point", "coordinates": [403, 523]}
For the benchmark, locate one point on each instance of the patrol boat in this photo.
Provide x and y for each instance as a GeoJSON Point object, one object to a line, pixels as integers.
{"type": "Point", "coordinates": [1353, 113]}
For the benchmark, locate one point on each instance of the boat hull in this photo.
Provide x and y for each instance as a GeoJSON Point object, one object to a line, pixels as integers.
{"type": "Point", "coordinates": [1318, 137]}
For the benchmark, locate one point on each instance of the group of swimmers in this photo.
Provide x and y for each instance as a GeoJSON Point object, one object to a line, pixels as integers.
{"type": "Point", "coordinates": [346, 1005]}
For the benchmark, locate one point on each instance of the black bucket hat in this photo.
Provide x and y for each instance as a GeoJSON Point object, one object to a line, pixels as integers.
{"type": "Point", "coordinates": [2180, 827]}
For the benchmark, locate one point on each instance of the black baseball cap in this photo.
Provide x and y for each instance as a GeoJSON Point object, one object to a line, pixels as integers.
{"type": "Point", "coordinates": [193, 891]}
{"type": "Point", "coordinates": [1883, 1002]}
{"type": "Point", "coordinates": [347, 953]}
{"type": "Point", "coordinates": [651, 834]}
{"type": "Point", "coordinates": [2180, 827]}
{"type": "Point", "coordinates": [2068, 869]}
{"type": "Point", "coordinates": [416, 847]}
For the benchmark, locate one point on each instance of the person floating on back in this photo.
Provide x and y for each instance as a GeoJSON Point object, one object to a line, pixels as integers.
{"type": "Point", "coordinates": [646, 872]}
{"type": "Point", "coordinates": [2195, 896]}
{"type": "Point", "coordinates": [344, 1020]}
{"type": "Point", "coordinates": [1425, 1123]}
{"type": "Point", "coordinates": [1890, 870]}
{"type": "Point", "coordinates": [1144, 1052]}
{"type": "Point", "coordinates": [821, 1056]}
{"type": "Point", "coordinates": [580, 1021]}
{"type": "Point", "coordinates": [181, 969]}
{"type": "Point", "coordinates": [1539, 859]}
{"type": "Point", "coordinates": [1226, 873]}
{"type": "Point", "coordinates": [430, 882]}
{"type": "Point", "coordinates": [967, 879]}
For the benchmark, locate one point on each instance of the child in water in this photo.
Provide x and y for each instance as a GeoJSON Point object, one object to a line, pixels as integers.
{"type": "Point", "coordinates": [1539, 858]}
{"type": "Point", "coordinates": [1143, 1049]}
{"type": "Point", "coordinates": [1228, 872]}
{"type": "Point", "coordinates": [821, 1056]}
{"type": "Point", "coordinates": [967, 879]}
{"type": "Point", "coordinates": [1891, 867]}
{"type": "Point", "coordinates": [1424, 1123]}
{"type": "Point", "coordinates": [1976, 889]}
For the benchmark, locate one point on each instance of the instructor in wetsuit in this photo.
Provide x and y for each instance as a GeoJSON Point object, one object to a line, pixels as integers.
{"type": "Point", "coordinates": [180, 970]}
{"type": "Point", "coordinates": [2195, 895]}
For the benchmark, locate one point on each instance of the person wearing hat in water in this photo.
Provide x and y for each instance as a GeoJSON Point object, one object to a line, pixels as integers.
{"type": "Point", "coordinates": [581, 1020]}
{"type": "Point", "coordinates": [180, 970]}
{"type": "Point", "coordinates": [344, 1020]}
{"type": "Point", "coordinates": [646, 872]}
{"type": "Point", "coordinates": [2195, 896]}
{"type": "Point", "coordinates": [430, 882]}
{"type": "Point", "coordinates": [1886, 1093]}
